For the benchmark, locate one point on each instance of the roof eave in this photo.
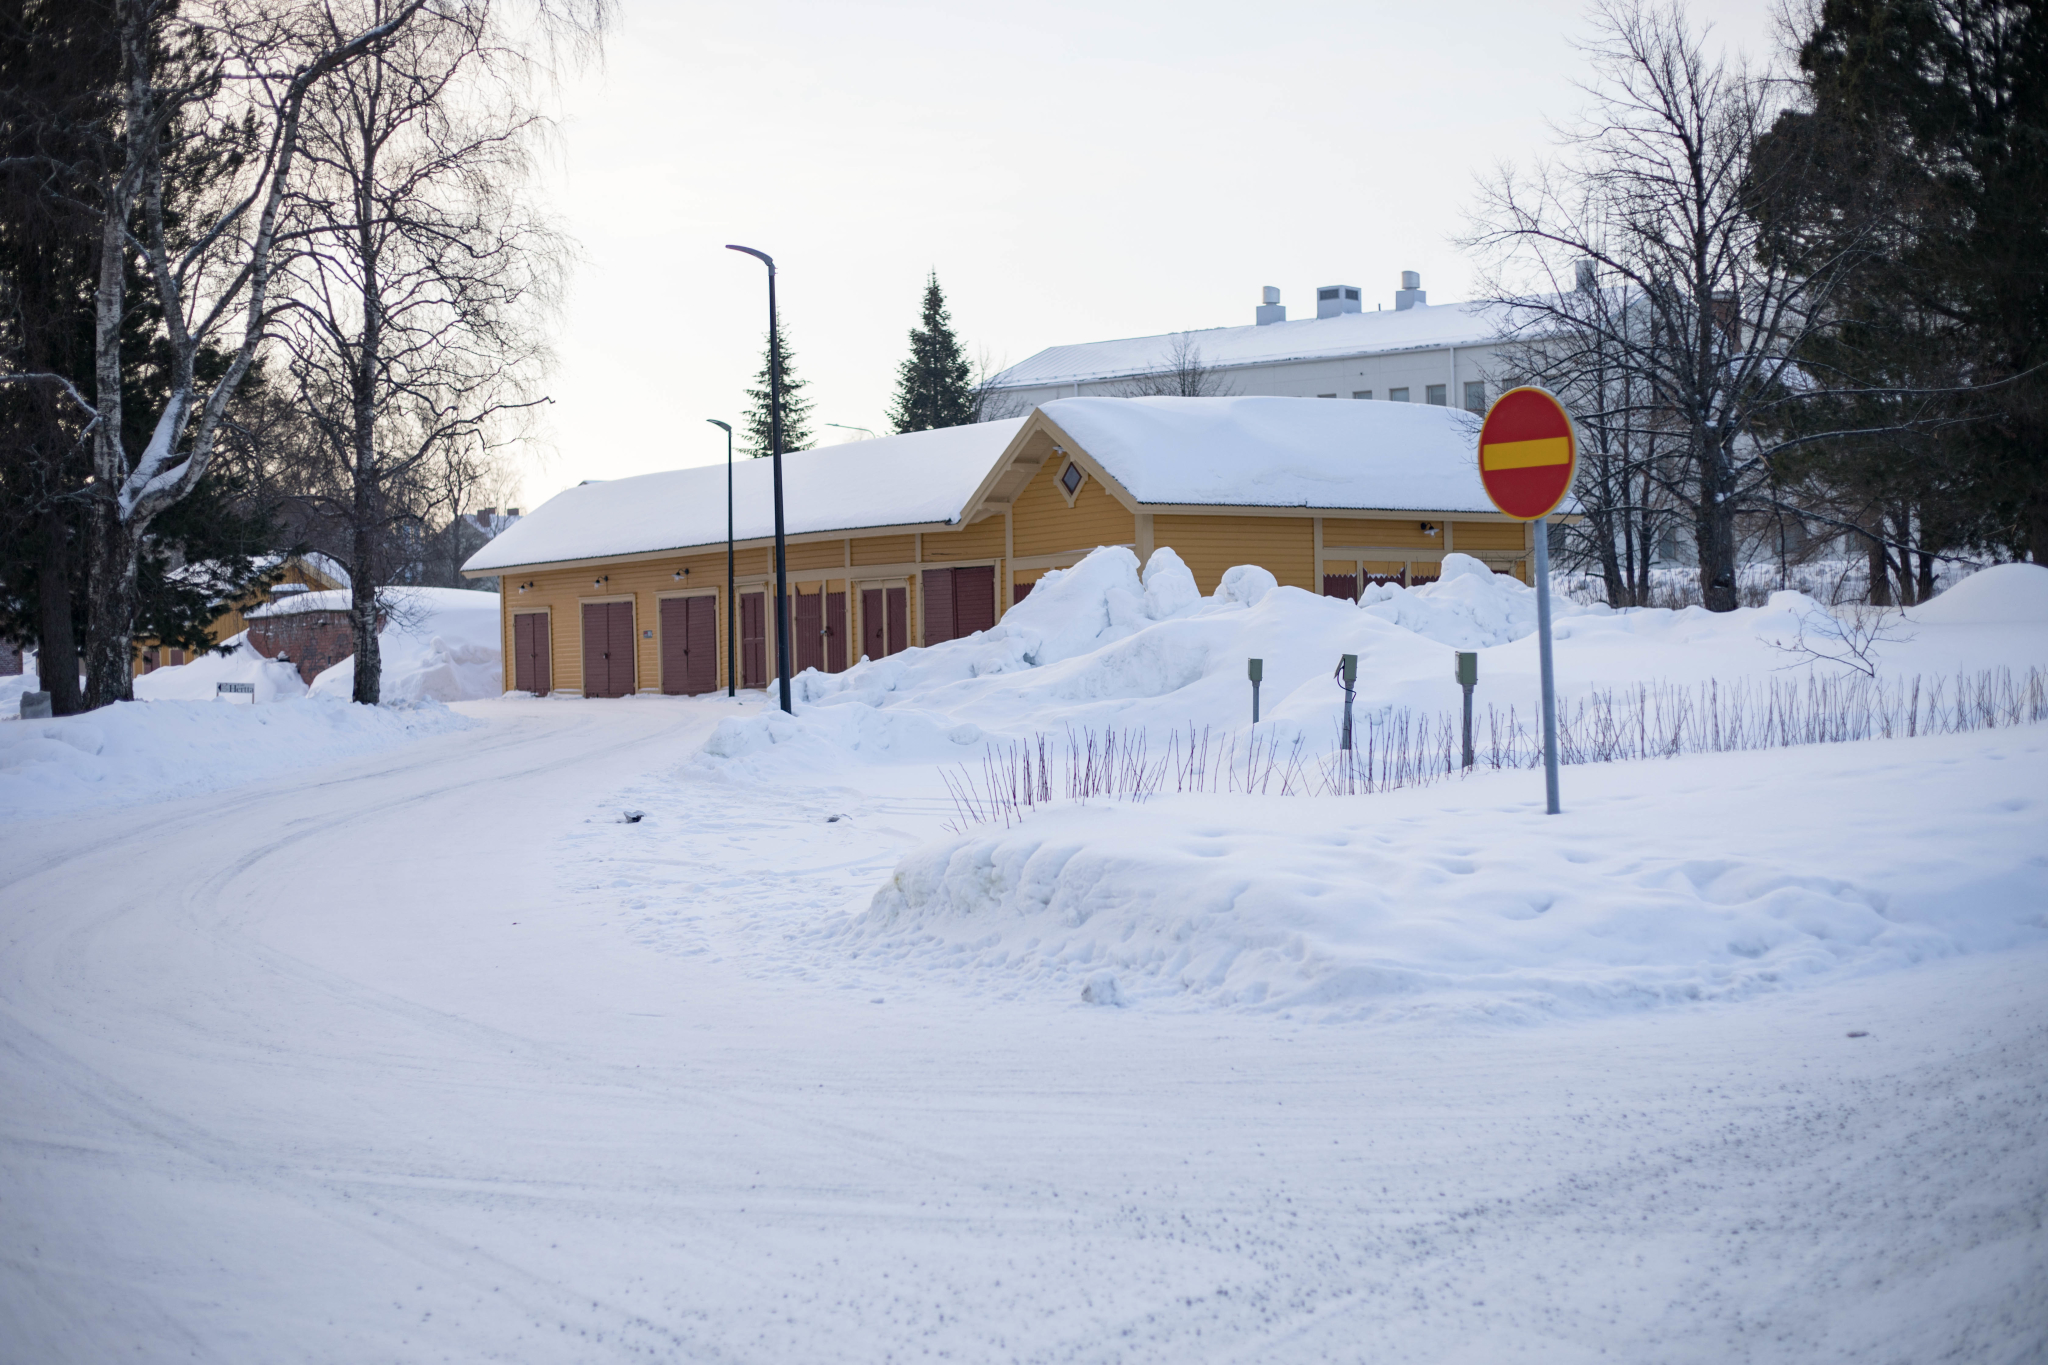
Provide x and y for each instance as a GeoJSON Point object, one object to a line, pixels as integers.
{"type": "Point", "coordinates": [708, 546]}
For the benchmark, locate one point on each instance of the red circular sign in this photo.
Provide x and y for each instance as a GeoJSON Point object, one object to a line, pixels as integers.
{"type": "Point", "coordinates": [1527, 453]}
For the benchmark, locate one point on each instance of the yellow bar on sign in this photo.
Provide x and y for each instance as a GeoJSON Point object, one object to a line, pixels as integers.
{"type": "Point", "coordinates": [1526, 454]}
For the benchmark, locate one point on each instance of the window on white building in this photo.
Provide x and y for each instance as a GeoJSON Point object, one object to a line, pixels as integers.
{"type": "Point", "coordinates": [1397, 395]}
{"type": "Point", "coordinates": [1361, 393]}
{"type": "Point", "coordinates": [1475, 395]}
{"type": "Point", "coordinates": [1435, 395]}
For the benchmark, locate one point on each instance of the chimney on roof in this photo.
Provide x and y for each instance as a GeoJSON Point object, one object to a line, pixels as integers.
{"type": "Point", "coordinates": [1411, 291]}
{"type": "Point", "coordinates": [1271, 310]}
{"type": "Point", "coordinates": [511, 511]}
{"type": "Point", "coordinates": [1585, 277]}
{"type": "Point", "coordinates": [484, 514]}
{"type": "Point", "coordinates": [1335, 299]}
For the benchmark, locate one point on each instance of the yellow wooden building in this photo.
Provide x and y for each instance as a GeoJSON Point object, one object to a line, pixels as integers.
{"type": "Point", "coordinates": [620, 586]}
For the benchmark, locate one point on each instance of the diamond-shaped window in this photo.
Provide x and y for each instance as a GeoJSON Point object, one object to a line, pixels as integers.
{"type": "Point", "coordinates": [1070, 479]}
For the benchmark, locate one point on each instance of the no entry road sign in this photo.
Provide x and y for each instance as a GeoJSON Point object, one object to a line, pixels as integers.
{"type": "Point", "coordinates": [1527, 453]}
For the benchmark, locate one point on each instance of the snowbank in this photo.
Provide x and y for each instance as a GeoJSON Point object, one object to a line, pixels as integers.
{"type": "Point", "coordinates": [148, 751]}
{"type": "Point", "coordinates": [1099, 644]}
{"type": "Point", "coordinates": [2000, 594]}
{"type": "Point", "coordinates": [438, 644]}
{"type": "Point", "coordinates": [199, 680]}
{"type": "Point", "coordinates": [1468, 607]}
{"type": "Point", "coordinates": [1700, 878]}
{"type": "Point", "coordinates": [1102, 645]}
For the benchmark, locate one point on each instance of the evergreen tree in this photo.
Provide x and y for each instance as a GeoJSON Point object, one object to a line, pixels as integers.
{"type": "Point", "coordinates": [796, 409]}
{"type": "Point", "coordinates": [935, 388]}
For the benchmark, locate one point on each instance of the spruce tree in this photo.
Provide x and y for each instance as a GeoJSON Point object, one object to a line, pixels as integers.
{"type": "Point", "coordinates": [935, 388]}
{"type": "Point", "coordinates": [796, 409]}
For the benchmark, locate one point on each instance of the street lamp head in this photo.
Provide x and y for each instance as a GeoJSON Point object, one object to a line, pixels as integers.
{"type": "Point", "coordinates": [722, 426]}
{"type": "Point", "coordinates": [761, 256]}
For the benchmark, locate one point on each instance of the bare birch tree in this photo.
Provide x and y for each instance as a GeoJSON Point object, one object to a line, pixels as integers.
{"type": "Point", "coordinates": [418, 280]}
{"type": "Point", "coordinates": [220, 87]}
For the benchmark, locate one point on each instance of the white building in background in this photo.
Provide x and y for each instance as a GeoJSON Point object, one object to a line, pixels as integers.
{"type": "Point", "coordinates": [1411, 353]}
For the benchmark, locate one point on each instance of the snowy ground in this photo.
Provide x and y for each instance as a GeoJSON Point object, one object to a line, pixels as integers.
{"type": "Point", "coordinates": [556, 1038]}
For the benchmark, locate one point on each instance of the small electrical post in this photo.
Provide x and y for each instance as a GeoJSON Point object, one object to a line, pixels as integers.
{"type": "Point", "coordinates": [1256, 669]}
{"type": "Point", "coordinates": [1528, 453]}
{"type": "Point", "coordinates": [1347, 669]}
{"type": "Point", "coordinates": [1468, 677]}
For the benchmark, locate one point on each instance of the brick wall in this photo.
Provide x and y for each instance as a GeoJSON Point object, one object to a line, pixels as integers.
{"type": "Point", "coordinates": [315, 641]}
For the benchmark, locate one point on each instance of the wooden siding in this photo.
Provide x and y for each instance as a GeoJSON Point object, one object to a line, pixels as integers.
{"type": "Point", "coordinates": [1477, 537]}
{"type": "Point", "coordinates": [1045, 525]}
{"type": "Point", "coordinates": [1405, 533]}
{"type": "Point", "coordinates": [818, 554]}
{"type": "Point", "coordinates": [983, 540]}
{"type": "Point", "coordinates": [1210, 545]}
{"type": "Point", "coordinates": [884, 550]}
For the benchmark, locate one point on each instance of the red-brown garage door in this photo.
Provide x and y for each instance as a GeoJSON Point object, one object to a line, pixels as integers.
{"type": "Point", "coordinates": [807, 626]}
{"type": "Point", "coordinates": [835, 632]}
{"type": "Point", "coordinates": [958, 602]}
{"type": "Point", "coordinates": [530, 659]}
{"type": "Point", "coordinates": [689, 645]}
{"type": "Point", "coordinates": [753, 639]}
{"type": "Point", "coordinates": [607, 649]}
{"type": "Point", "coordinates": [884, 621]}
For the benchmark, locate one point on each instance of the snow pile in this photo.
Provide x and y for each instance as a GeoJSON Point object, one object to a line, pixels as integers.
{"type": "Point", "coordinates": [1469, 607]}
{"type": "Point", "coordinates": [148, 751]}
{"type": "Point", "coordinates": [438, 644]}
{"type": "Point", "coordinates": [1101, 645]}
{"type": "Point", "coordinates": [2000, 594]}
{"type": "Point", "coordinates": [1705, 878]}
{"type": "Point", "coordinates": [199, 680]}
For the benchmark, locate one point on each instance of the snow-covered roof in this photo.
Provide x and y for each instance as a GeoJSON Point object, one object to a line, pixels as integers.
{"type": "Point", "coordinates": [1421, 327]}
{"type": "Point", "coordinates": [397, 597]}
{"type": "Point", "coordinates": [1281, 452]}
{"type": "Point", "coordinates": [919, 478]}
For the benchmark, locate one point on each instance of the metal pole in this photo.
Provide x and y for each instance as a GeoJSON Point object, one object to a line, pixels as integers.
{"type": "Point", "coordinates": [1543, 655]}
{"type": "Point", "coordinates": [732, 595]}
{"type": "Point", "coordinates": [1467, 674]}
{"type": "Point", "coordinates": [1256, 670]}
{"type": "Point", "coordinates": [1468, 725]}
{"type": "Point", "coordinates": [775, 452]}
{"type": "Point", "coordinates": [732, 591]}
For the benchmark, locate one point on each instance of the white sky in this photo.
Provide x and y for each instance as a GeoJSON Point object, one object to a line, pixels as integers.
{"type": "Point", "coordinates": [1074, 172]}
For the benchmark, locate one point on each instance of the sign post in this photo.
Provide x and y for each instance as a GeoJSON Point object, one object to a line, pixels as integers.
{"type": "Point", "coordinates": [1527, 456]}
{"type": "Point", "coordinates": [1468, 677]}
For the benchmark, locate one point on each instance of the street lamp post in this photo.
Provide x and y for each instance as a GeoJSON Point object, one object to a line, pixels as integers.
{"type": "Point", "coordinates": [732, 594]}
{"type": "Point", "coordinates": [775, 452]}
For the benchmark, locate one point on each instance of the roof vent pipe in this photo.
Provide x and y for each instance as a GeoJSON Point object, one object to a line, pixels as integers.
{"type": "Point", "coordinates": [1411, 291]}
{"type": "Point", "coordinates": [1271, 310]}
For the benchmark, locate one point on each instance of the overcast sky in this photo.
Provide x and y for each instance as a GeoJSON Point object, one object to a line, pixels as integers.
{"type": "Point", "coordinates": [1073, 172]}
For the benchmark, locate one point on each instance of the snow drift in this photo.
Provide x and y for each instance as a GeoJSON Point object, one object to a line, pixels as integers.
{"type": "Point", "coordinates": [200, 679]}
{"type": "Point", "coordinates": [146, 751]}
{"type": "Point", "coordinates": [1103, 645]}
{"type": "Point", "coordinates": [1717, 877]}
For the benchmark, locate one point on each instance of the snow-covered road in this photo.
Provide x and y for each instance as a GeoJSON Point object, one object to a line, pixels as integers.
{"type": "Point", "coordinates": [415, 1058]}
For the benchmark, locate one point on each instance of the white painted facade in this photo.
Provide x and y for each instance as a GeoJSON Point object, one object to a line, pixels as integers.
{"type": "Point", "coordinates": [1413, 352]}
